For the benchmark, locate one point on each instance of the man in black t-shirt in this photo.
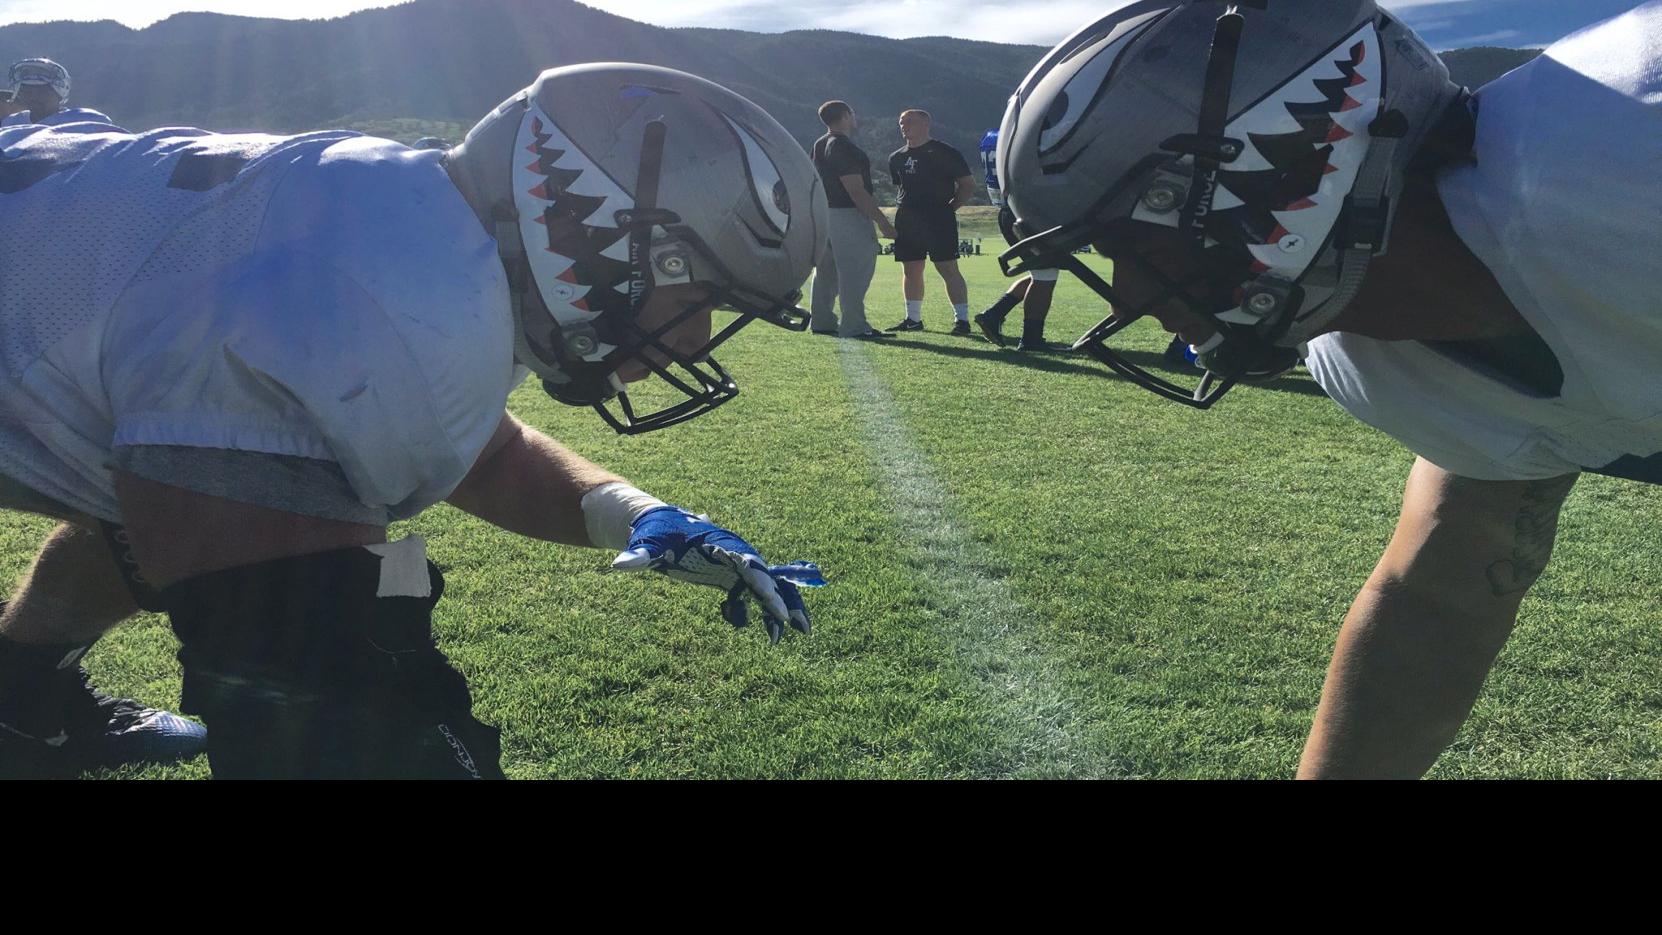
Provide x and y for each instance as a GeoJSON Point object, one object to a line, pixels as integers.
{"type": "Point", "coordinates": [934, 180]}
{"type": "Point", "coordinates": [850, 259]}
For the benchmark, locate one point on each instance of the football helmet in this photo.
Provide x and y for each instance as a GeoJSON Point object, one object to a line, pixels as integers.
{"type": "Point", "coordinates": [40, 71]}
{"type": "Point", "coordinates": [1271, 134]}
{"type": "Point", "coordinates": [601, 182]}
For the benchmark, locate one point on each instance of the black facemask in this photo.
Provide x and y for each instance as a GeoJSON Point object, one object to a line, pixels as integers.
{"type": "Point", "coordinates": [1242, 352]}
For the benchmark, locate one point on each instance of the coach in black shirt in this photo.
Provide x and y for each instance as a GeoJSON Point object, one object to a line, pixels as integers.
{"type": "Point", "coordinates": [934, 180]}
{"type": "Point", "coordinates": [845, 269]}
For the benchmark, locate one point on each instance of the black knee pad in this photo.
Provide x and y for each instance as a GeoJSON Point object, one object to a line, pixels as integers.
{"type": "Point", "coordinates": [324, 666]}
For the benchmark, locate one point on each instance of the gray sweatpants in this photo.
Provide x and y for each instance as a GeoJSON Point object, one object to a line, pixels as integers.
{"type": "Point", "coordinates": [844, 273]}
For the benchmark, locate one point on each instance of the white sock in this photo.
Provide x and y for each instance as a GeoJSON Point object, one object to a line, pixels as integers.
{"type": "Point", "coordinates": [962, 310]}
{"type": "Point", "coordinates": [914, 310]}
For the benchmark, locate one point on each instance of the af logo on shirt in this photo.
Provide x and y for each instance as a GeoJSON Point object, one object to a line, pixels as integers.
{"type": "Point", "coordinates": [911, 165]}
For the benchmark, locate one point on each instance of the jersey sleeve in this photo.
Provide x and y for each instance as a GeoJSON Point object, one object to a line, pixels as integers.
{"type": "Point", "coordinates": [839, 158]}
{"type": "Point", "coordinates": [287, 355]}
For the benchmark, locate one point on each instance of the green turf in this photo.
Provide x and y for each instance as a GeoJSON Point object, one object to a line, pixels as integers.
{"type": "Point", "coordinates": [1037, 570]}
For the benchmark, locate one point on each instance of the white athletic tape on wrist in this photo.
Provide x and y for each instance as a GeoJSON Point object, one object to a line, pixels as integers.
{"type": "Point", "coordinates": [609, 511]}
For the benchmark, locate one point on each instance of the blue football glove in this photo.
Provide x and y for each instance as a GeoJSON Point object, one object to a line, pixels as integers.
{"type": "Point", "coordinates": [688, 547]}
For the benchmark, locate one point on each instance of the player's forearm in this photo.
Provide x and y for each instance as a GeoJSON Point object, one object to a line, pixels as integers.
{"type": "Point", "coordinates": [867, 205]}
{"type": "Point", "coordinates": [529, 484]}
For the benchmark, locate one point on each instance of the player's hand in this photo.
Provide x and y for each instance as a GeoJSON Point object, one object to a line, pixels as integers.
{"type": "Point", "coordinates": [886, 228]}
{"type": "Point", "coordinates": [688, 547]}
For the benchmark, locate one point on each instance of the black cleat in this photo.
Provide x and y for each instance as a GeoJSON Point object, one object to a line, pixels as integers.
{"type": "Point", "coordinates": [992, 327]}
{"type": "Point", "coordinates": [55, 723]}
{"type": "Point", "coordinates": [872, 335]}
{"type": "Point", "coordinates": [961, 329]}
{"type": "Point", "coordinates": [832, 332]}
{"type": "Point", "coordinates": [907, 324]}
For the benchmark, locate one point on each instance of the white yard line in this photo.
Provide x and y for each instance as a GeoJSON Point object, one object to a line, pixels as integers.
{"type": "Point", "coordinates": [986, 625]}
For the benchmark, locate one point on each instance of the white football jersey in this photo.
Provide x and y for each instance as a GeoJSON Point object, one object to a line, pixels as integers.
{"type": "Point", "coordinates": [327, 296]}
{"type": "Point", "coordinates": [1562, 206]}
{"type": "Point", "coordinates": [66, 116]}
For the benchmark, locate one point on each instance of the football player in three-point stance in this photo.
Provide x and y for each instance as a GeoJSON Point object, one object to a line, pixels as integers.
{"type": "Point", "coordinates": [1244, 165]}
{"type": "Point", "coordinates": [273, 346]}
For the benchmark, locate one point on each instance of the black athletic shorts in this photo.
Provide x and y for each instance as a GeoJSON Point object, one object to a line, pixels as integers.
{"type": "Point", "coordinates": [925, 235]}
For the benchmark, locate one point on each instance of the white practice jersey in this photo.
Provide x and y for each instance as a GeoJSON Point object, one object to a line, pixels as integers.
{"type": "Point", "coordinates": [66, 116]}
{"type": "Point", "coordinates": [328, 296]}
{"type": "Point", "coordinates": [1563, 206]}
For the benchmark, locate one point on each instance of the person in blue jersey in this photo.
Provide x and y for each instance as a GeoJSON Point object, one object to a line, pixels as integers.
{"type": "Point", "coordinates": [267, 348]}
{"type": "Point", "coordinates": [40, 95]}
{"type": "Point", "coordinates": [1470, 274]}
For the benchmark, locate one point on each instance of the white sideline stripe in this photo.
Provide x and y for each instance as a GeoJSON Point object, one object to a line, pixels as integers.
{"type": "Point", "coordinates": [984, 622]}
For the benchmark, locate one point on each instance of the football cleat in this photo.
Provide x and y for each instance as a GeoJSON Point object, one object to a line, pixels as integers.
{"type": "Point", "coordinates": [992, 327]}
{"type": "Point", "coordinates": [907, 324]}
{"type": "Point", "coordinates": [57, 724]}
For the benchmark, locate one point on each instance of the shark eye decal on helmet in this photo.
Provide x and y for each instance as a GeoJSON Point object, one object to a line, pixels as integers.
{"type": "Point", "coordinates": [1094, 68]}
{"type": "Point", "coordinates": [772, 198]}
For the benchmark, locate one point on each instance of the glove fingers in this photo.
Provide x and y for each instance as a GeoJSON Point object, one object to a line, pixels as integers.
{"type": "Point", "coordinates": [797, 611]}
{"type": "Point", "coordinates": [756, 578]}
{"type": "Point", "coordinates": [734, 610]}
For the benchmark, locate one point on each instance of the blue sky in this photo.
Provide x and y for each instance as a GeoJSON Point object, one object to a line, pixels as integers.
{"type": "Point", "coordinates": [1445, 23]}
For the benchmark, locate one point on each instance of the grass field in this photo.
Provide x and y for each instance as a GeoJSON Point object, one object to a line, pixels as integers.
{"type": "Point", "coordinates": [1037, 570]}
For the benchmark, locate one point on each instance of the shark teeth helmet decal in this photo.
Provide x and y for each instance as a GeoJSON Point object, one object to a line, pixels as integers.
{"type": "Point", "coordinates": [1272, 136]}
{"type": "Point", "coordinates": [1305, 145]}
{"type": "Point", "coordinates": [567, 207]}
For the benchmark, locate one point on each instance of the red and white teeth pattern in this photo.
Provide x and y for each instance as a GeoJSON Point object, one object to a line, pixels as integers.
{"type": "Point", "coordinates": [579, 181]}
{"type": "Point", "coordinates": [1305, 225]}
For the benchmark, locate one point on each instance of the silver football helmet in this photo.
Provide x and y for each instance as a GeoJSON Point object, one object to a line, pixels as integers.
{"type": "Point", "coordinates": [1270, 133]}
{"type": "Point", "coordinates": [603, 181]}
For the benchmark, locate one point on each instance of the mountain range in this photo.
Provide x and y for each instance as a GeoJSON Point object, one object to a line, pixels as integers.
{"type": "Point", "coordinates": [435, 66]}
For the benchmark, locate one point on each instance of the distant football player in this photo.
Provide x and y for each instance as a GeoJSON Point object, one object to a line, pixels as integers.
{"type": "Point", "coordinates": [266, 348]}
{"type": "Point", "coordinates": [1033, 293]}
{"type": "Point", "coordinates": [40, 95]}
{"type": "Point", "coordinates": [1246, 173]}
{"type": "Point", "coordinates": [934, 181]}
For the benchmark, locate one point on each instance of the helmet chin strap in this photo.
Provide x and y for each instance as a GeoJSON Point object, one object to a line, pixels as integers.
{"type": "Point", "coordinates": [1367, 226]}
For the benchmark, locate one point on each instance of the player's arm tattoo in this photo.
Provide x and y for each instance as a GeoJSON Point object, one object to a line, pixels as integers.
{"type": "Point", "coordinates": [1534, 527]}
